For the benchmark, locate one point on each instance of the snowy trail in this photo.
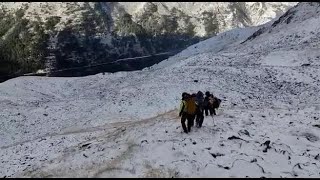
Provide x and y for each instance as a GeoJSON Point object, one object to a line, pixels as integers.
{"type": "Point", "coordinates": [85, 130]}
{"type": "Point", "coordinates": [110, 131]}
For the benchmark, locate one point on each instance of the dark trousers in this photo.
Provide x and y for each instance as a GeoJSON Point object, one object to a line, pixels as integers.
{"type": "Point", "coordinates": [210, 109]}
{"type": "Point", "coordinates": [206, 109]}
{"type": "Point", "coordinates": [214, 111]}
{"type": "Point", "coordinates": [190, 119]}
{"type": "Point", "coordinates": [199, 118]}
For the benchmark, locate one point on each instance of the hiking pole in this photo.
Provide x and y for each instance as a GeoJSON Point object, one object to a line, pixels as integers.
{"type": "Point", "coordinates": [213, 120]}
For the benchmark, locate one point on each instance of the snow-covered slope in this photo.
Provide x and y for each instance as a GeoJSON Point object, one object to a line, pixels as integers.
{"type": "Point", "coordinates": [215, 44]}
{"type": "Point", "coordinates": [125, 124]}
{"type": "Point", "coordinates": [212, 45]}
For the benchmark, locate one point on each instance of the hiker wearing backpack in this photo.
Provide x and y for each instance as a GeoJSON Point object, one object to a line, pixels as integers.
{"type": "Point", "coordinates": [187, 111]}
{"type": "Point", "coordinates": [215, 104]}
{"type": "Point", "coordinates": [208, 104]}
{"type": "Point", "coordinates": [200, 109]}
{"type": "Point", "coordinates": [211, 104]}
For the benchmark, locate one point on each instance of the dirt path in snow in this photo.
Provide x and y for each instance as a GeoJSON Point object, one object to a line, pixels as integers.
{"type": "Point", "coordinates": [105, 134]}
{"type": "Point", "coordinates": [94, 129]}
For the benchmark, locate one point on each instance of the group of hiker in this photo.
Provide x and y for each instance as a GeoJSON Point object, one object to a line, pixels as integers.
{"type": "Point", "coordinates": [194, 106]}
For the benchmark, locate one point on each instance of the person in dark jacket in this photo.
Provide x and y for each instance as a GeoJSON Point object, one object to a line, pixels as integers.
{"type": "Point", "coordinates": [200, 109]}
{"type": "Point", "coordinates": [208, 105]}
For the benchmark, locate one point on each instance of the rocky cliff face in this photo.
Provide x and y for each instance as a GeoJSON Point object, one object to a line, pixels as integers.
{"type": "Point", "coordinates": [50, 36]}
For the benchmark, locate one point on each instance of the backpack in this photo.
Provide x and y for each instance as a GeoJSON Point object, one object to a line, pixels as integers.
{"type": "Point", "coordinates": [216, 103]}
{"type": "Point", "coordinates": [191, 106]}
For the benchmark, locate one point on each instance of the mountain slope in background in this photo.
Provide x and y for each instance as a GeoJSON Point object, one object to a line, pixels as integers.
{"type": "Point", "coordinates": [49, 36]}
{"type": "Point", "coordinates": [125, 124]}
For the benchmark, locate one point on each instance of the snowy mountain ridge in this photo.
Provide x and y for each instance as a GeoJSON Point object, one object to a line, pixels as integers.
{"type": "Point", "coordinates": [257, 12]}
{"type": "Point", "coordinates": [50, 36]}
{"type": "Point", "coordinates": [126, 124]}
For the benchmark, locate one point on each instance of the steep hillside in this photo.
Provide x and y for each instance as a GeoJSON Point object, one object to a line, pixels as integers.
{"type": "Point", "coordinates": [49, 36]}
{"type": "Point", "coordinates": [126, 124]}
{"type": "Point", "coordinates": [213, 45]}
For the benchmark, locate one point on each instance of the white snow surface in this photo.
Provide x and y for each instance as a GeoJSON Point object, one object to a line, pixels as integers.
{"type": "Point", "coordinates": [126, 124]}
